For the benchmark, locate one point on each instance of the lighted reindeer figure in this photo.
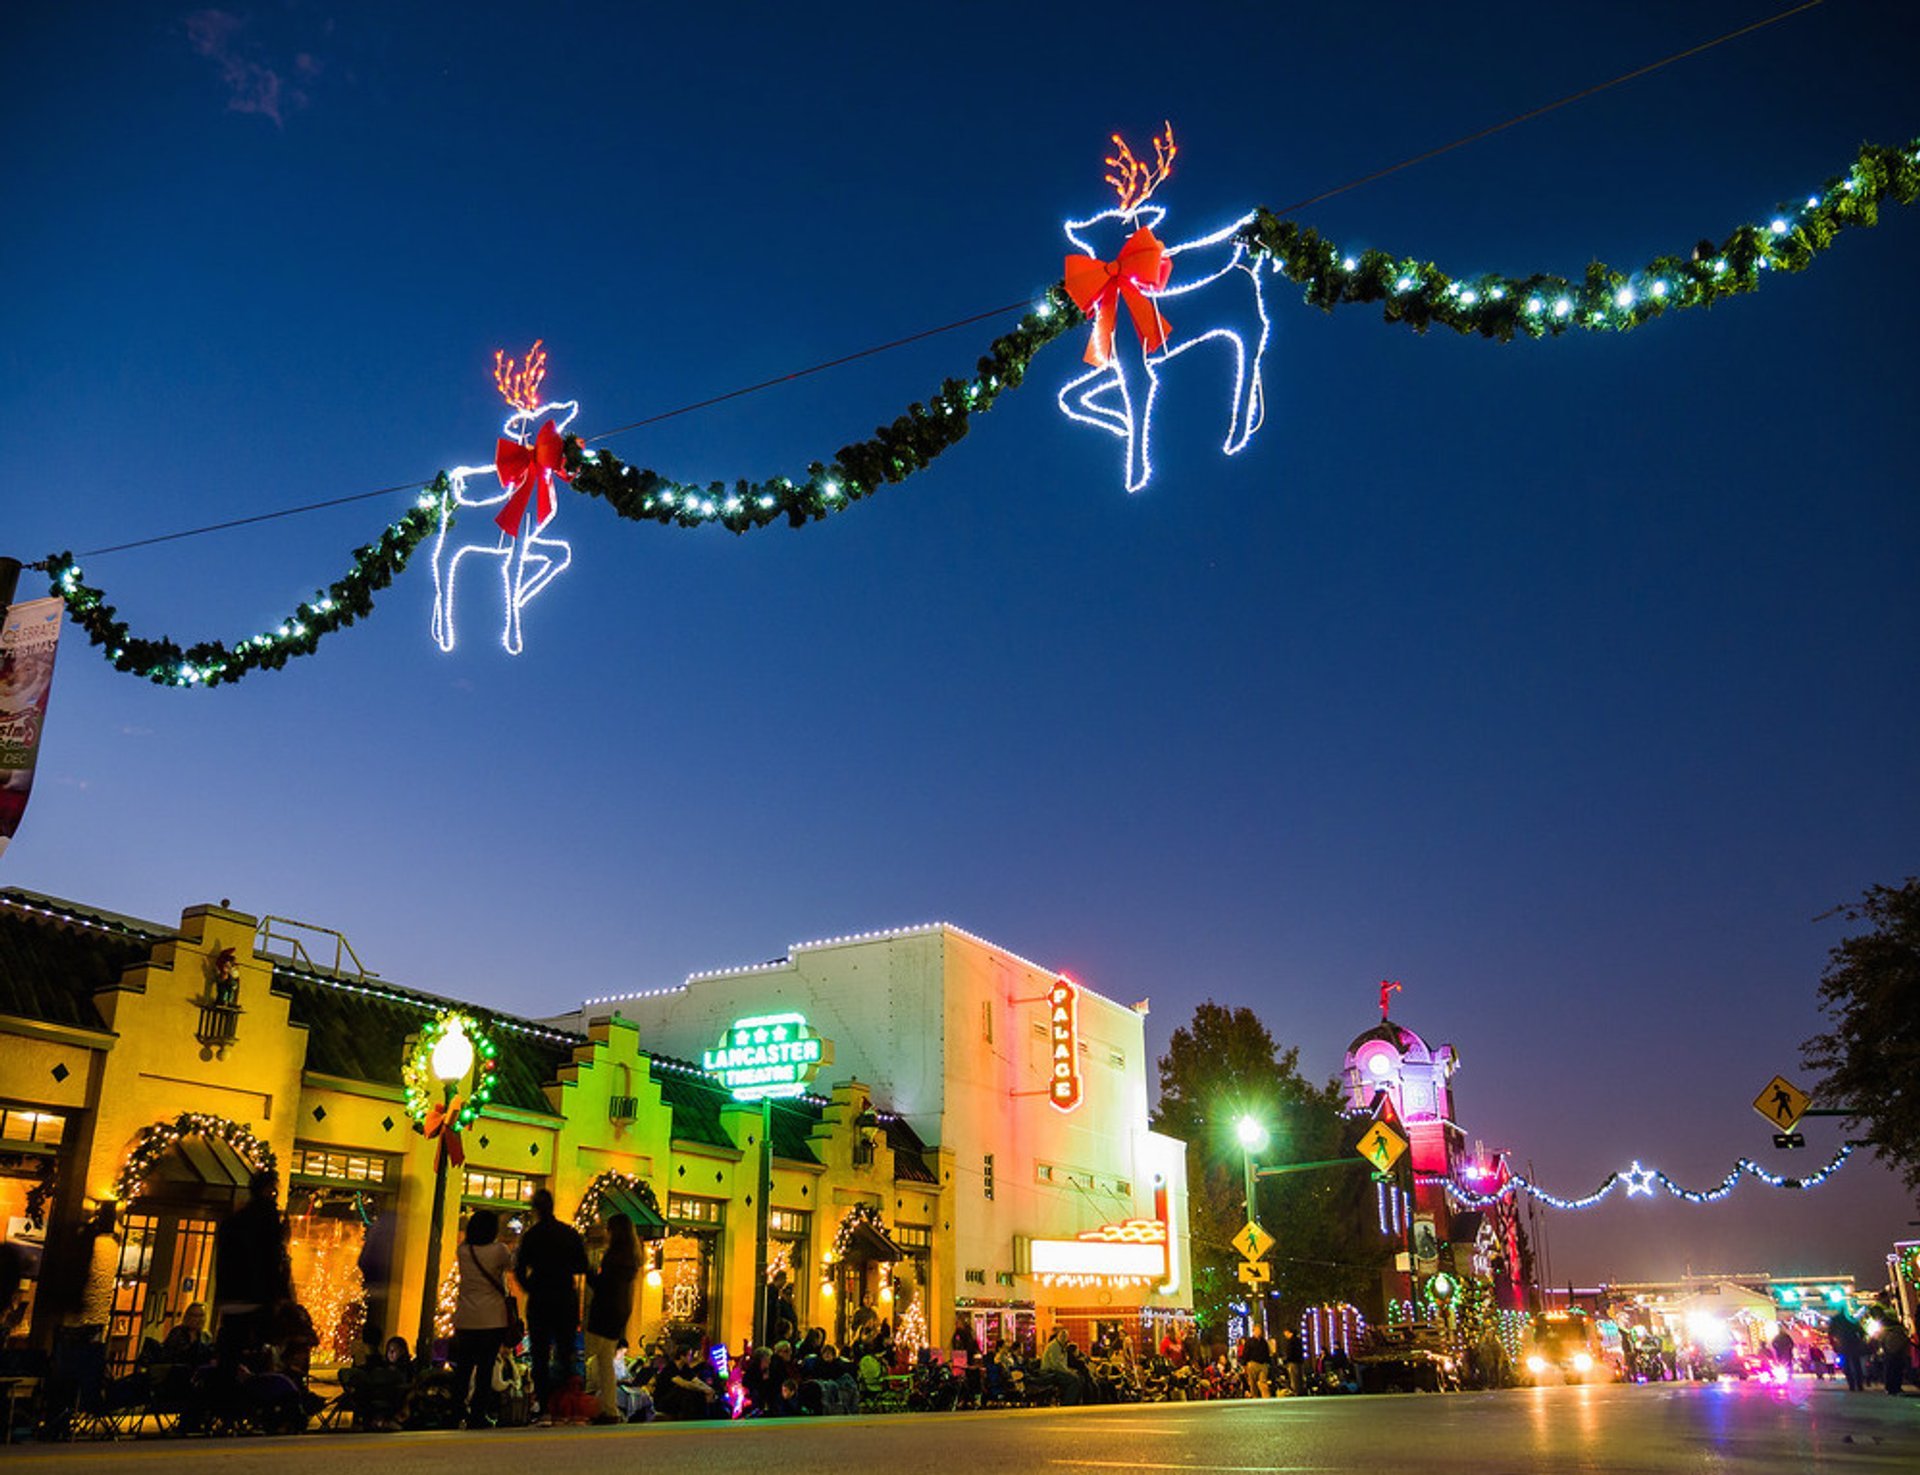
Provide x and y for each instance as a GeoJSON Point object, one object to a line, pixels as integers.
{"type": "Point", "coordinates": [1144, 275]}
{"type": "Point", "coordinates": [525, 463]}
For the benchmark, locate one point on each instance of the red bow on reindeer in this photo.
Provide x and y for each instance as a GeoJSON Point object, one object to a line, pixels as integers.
{"type": "Point", "coordinates": [1097, 286]}
{"type": "Point", "coordinates": [443, 1123]}
{"type": "Point", "coordinates": [526, 470]}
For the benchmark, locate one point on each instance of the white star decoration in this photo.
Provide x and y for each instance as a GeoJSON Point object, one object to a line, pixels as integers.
{"type": "Point", "coordinates": [1638, 1180]}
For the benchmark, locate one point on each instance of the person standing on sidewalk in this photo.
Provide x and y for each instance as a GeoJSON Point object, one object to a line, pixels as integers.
{"type": "Point", "coordinates": [481, 1314]}
{"type": "Point", "coordinates": [610, 1311]}
{"type": "Point", "coordinates": [1849, 1347]}
{"type": "Point", "coordinates": [549, 1265]}
{"type": "Point", "coordinates": [1896, 1351]}
{"type": "Point", "coordinates": [1256, 1361]}
{"type": "Point", "coordinates": [1296, 1360]}
{"type": "Point", "coordinates": [252, 1274]}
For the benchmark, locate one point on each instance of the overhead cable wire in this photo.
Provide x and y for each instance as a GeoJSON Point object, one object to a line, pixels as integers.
{"type": "Point", "coordinates": [925, 333]}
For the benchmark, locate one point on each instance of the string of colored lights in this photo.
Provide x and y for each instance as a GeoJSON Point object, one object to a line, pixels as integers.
{"type": "Point", "coordinates": [1637, 1181]}
{"type": "Point", "coordinates": [1410, 291]}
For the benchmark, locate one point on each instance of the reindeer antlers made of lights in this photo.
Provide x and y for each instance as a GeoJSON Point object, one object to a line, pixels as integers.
{"type": "Point", "coordinates": [520, 386]}
{"type": "Point", "coordinates": [1133, 181]}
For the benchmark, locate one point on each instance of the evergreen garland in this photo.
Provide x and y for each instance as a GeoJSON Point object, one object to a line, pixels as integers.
{"type": "Point", "coordinates": [1414, 292]}
{"type": "Point", "coordinates": [423, 1091]}
{"type": "Point", "coordinates": [850, 1222]}
{"type": "Point", "coordinates": [613, 1178]}
{"type": "Point", "coordinates": [1421, 295]}
{"type": "Point", "coordinates": [211, 662]}
{"type": "Point", "coordinates": [894, 452]}
{"type": "Point", "coordinates": [153, 1143]}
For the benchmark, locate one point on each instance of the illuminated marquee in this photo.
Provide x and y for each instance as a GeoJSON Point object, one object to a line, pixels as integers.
{"type": "Point", "coordinates": [767, 1055]}
{"type": "Point", "coordinates": [1063, 1033]}
{"type": "Point", "coordinates": [1130, 1253]}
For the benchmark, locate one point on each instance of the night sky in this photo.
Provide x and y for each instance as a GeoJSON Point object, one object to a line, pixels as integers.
{"type": "Point", "coordinates": [1568, 682]}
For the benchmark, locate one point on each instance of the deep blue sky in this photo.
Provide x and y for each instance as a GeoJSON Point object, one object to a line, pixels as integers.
{"type": "Point", "coordinates": [1567, 682]}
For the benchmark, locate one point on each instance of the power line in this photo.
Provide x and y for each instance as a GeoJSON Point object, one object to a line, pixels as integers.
{"type": "Point", "coordinates": [879, 348]}
{"type": "Point", "coordinates": [237, 522]}
{"type": "Point", "coordinates": [1545, 108]}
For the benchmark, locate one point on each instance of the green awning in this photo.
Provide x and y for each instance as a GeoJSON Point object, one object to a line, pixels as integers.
{"type": "Point", "coordinates": [868, 1241]}
{"type": "Point", "coordinates": [617, 1198]}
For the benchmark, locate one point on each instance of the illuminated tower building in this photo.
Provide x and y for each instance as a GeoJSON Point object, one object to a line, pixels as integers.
{"type": "Point", "coordinates": [1416, 1080]}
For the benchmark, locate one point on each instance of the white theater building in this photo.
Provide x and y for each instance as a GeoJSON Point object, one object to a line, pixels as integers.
{"type": "Point", "coordinates": [1028, 1094]}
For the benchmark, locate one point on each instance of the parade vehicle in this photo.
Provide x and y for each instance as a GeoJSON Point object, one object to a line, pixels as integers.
{"type": "Point", "coordinates": [1569, 1347]}
{"type": "Point", "coordinates": [1407, 1359]}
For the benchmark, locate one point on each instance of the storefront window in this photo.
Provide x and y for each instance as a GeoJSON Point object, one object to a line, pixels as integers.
{"type": "Point", "coordinates": [333, 1165]}
{"type": "Point", "coordinates": [688, 1258]}
{"type": "Point", "coordinates": [23, 1124]}
{"type": "Point", "coordinates": [26, 1199]}
{"type": "Point", "coordinates": [499, 1190]}
{"type": "Point", "coordinates": [327, 1243]}
{"type": "Point", "coordinates": [165, 1264]}
{"type": "Point", "coordinates": [787, 1249]}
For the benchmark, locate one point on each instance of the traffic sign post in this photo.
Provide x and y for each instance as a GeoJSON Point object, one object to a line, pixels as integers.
{"type": "Point", "coordinates": [1252, 1242]}
{"type": "Point", "coordinates": [1783, 1104]}
{"type": "Point", "coordinates": [1382, 1146]}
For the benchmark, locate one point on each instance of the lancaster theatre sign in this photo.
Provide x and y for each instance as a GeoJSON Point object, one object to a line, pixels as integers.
{"type": "Point", "coordinates": [767, 1056]}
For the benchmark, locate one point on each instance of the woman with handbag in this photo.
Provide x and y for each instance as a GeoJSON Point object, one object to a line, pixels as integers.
{"type": "Point", "coordinates": [484, 1317]}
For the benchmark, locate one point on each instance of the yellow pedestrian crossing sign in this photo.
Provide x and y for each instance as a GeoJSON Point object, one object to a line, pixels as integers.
{"type": "Point", "coordinates": [1252, 1241]}
{"type": "Point", "coordinates": [1381, 1146]}
{"type": "Point", "coordinates": [1782, 1103]}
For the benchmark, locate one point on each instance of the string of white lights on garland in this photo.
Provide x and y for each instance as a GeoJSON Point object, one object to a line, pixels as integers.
{"type": "Point", "coordinates": [1637, 1181]}
{"type": "Point", "coordinates": [151, 1144]}
{"type": "Point", "coordinates": [1410, 291]}
{"type": "Point", "coordinates": [614, 1181]}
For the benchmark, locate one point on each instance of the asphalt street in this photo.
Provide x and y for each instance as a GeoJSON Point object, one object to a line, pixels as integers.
{"type": "Point", "coordinates": [1680, 1429]}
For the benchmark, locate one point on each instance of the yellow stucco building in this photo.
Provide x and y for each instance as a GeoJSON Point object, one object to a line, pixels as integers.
{"type": "Point", "coordinates": [146, 1068]}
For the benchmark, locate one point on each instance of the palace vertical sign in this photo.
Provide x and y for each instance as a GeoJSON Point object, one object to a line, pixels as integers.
{"type": "Point", "coordinates": [1064, 1087]}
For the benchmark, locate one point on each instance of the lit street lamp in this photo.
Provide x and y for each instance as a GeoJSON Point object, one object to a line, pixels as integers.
{"type": "Point", "coordinates": [450, 1061]}
{"type": "Point", "coordinates": [1253, 1138]}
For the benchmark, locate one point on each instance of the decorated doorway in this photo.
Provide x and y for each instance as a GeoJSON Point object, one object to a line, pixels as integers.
{"type": "Point", "coordinates": [180, 1179]}
{"type": "Point", "coordinates": [858, 1274]}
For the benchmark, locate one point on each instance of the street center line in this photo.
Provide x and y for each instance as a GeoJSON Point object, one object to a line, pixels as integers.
{"type": "Point", "coordinates": [1142, 1465]}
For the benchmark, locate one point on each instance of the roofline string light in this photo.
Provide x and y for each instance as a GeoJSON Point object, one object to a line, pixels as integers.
{"type": "Point", "coordinates": [885, 934]}
{"type": "Point", "coordinates": [1409, 291]}
{"type": "Point", "coordinates": [1638, 1181]}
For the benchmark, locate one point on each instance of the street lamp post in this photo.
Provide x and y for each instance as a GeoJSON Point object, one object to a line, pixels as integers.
{"type": "Point", "coordinates": [762, 1223]}
{"type": "Point", "coordinates": [450, 1062]}
{"type": "Point", "coordinates": [1253, 1137]}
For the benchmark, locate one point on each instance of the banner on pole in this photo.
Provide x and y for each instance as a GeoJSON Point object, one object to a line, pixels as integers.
{"type": "Point", "coordinates": [27, 642]}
